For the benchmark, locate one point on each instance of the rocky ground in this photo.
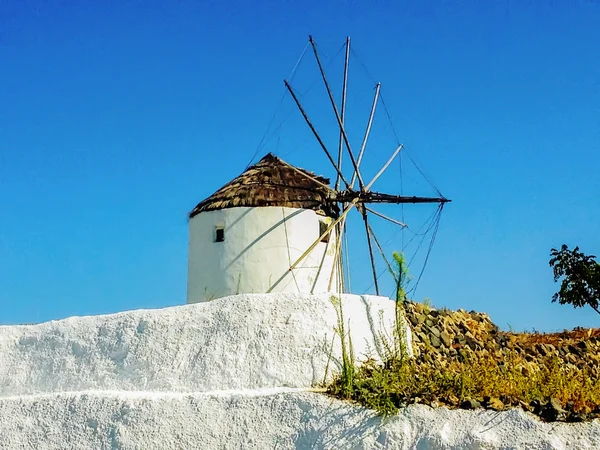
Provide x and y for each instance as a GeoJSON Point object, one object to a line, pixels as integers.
{"type": "Point", "coordinates": [442, 338]}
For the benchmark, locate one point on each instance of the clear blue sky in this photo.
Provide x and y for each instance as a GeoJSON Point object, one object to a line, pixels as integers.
{"type": "Point", "coordinates": [116, 118]}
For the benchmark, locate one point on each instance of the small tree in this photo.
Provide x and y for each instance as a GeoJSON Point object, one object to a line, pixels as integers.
{"type": "Point", "coordinates": [400, 276]}
{"type": "Point", "coordinates": [580, 275]}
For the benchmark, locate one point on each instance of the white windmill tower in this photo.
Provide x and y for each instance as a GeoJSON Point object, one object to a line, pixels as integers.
{"type": "Point", "coordinates": [278, 228]}
{"type": "Point", "coordinates": [243, 238]}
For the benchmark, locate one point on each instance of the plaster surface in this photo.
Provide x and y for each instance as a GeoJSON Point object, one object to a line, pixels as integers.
{"type": "Point", "coordinates": [265, 419]}
{"type": "Point", "coordinates": [259, 246]}
{"type": "Point", "coordinates": [247, 341]}
{"type": "Point", "coordinates": [234, 373]}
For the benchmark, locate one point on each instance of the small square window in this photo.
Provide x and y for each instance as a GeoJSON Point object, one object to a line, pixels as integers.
{"type": "Point", "coordinates": [322, 228]}
{"type": "Point", "coordinates": [219, 234]}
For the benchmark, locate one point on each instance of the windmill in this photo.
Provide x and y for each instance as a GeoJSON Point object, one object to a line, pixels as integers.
{"type": "Point", "coordinates": [363, 198]}
{"type": "Point", "coordinates": [279, 228]}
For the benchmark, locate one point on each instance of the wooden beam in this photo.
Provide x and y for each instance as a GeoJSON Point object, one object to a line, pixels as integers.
{"type": "Point", "coordinates": [379, 197]}
{"type": "Point", "coordinates": [337, 252]}
{"type": "Point", "coordinates": [385, 166]}
{"type": "Point", "coordinates": [342, 270]}
{"type": "Point", "coordinates": [337, 114]}
{"type": "Point", "coordinates": [316, 280]}
{"type": "Point", "coordinates": [373, 268]}
{"type": "Point", "coordinates": [325, 233]}
{"type": "Point", "coordinates": [344, 88]}
{"type": "Point", "coordinates": [390, 268]}
{"type": "Point", "coordinates": [340, 174]}
{"type": "Point", "coordinates": [324, 185]}
{"type": "Point", "coordinates": [377, 213]}
{"type": "Point", "coordinates": [367, 133]}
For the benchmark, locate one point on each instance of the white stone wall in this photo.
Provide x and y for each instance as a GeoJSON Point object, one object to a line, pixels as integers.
{"type": "Point", "coordinates": [234, 373]}
{"type": "Point", "coordinates": [249, 341]}
{"type": "Point", "coordinates": [260, 244]}
{"type": "Point", "coordinates": [267, 419]}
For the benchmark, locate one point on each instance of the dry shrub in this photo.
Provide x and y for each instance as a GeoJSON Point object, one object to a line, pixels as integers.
{"type": "Point", "coordinates": [511, 379]}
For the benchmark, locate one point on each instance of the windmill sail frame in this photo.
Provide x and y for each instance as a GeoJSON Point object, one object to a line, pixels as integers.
{"type": "Point", "coordinates": [349, 198]}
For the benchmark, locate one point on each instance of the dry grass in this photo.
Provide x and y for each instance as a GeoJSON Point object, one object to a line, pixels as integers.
{"type": "Point", "coordinates": [512, 380]}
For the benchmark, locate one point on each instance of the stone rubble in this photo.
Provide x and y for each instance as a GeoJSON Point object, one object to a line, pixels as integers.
{"type": "Point", "coordinates": [442, 336]}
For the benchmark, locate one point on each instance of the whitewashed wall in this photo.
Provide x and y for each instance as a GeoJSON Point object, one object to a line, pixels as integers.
{"type": "Point", "coordinates": [259, 247]}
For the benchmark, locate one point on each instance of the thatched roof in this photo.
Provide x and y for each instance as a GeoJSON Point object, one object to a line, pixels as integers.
{"type": "Point", "coordinates": [273, 182]}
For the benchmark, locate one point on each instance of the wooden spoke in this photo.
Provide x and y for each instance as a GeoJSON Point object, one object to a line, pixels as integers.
{"type": "Point", "coordinates": [367, 133]}
{"type": "Point", "coordinates": [346, 196]}
{"type": "Point", "coordinates": [341, 142]}
{"type": "Point", "coordinates": [337, 252]}
{"type": "Point", "coordinates": [337, 114]}
{"type": "Point", "coordinates": [373, 268]}
{"type": "Point", "coordinates": [314, 284]}
{"type": "Point", "coordinates": [309, 123]}
{"type": "Point", "coordinates": [295, 169]}
{"type": "Point", "coordinates": [385, 166]}
{"type": "Point", "coordinates": [341, 258]}
{"type": "Point", "coordinates": [347, 209]}
{"type": "Point", "coordinates": [389, 266]}
{"type": "Point", "coordinates": [377, 213]}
